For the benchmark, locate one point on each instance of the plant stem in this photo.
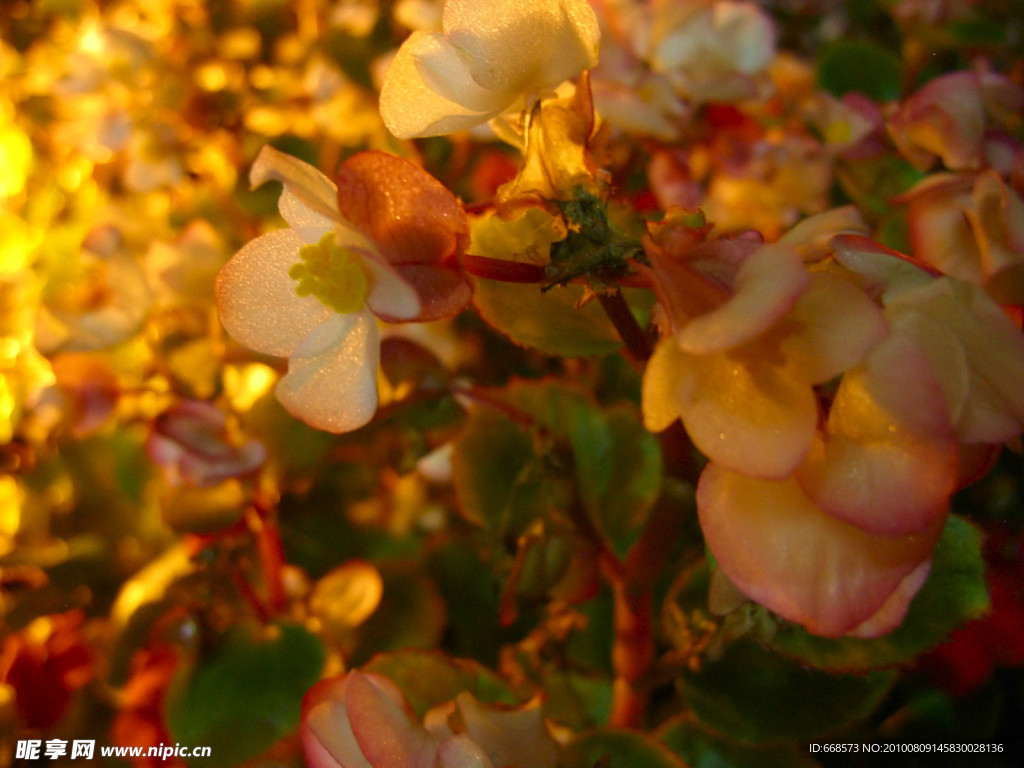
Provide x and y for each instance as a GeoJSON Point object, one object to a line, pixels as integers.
{"type": "Point", "coordinates": [632, 335]}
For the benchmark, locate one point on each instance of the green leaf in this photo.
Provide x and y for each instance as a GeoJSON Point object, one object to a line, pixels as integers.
{"type": "Point", "coordinates": [701, 748]}
{"type": "Point", "coordinates": [954, 594]}
{"type": "Point", "coordinates": [550, 320]}
{"type": "Point", "coordinates": [496, 474]}
{"type": "Point", "coordinates": [759, 697]}
{"type": "Point", "coordinates": [610, 748]}
{"type": "Point", "coordinates": [618, 462]}
{"type": "Point", "coordinates": [429, 678]}
{"type": "Point", "coordinates": [248, 695]}
{"type": "Point", "coordinates": [861, 66]}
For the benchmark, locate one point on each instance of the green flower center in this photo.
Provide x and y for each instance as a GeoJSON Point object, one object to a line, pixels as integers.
{"type": "Point", "coordinates": [333, 274]}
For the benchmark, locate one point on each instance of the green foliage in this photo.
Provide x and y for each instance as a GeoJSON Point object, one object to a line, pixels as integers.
{"type": "Point", "coordinates": [860, 66]}
{"type": "Point", "coordinates": [247, 695]}
{"type": "Point", "coordinates": [759, 697]}
{"type": "Point", "coordinates": [429, 678]}
{"type": "Point", "coordinates": [610, 748]}
{"type": "Point", "coordinates": [954, 594]}
{"type": "Point", "coordinates": [701, 748]}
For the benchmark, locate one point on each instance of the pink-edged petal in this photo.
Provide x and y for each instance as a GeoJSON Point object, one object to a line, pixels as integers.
{"type": "Point", "coordinates": [336, 390]}
{"type": "Point", "coordinates": [894, 610]}
{"type": "Point", "coordinates": [992, 410]}
{"type": "Point", "coordinates": [428, 91]}
{"type": "Point", "coordinates": [743, 414]}
{"type": "Point", "coordinates": [886, 272]}
{"type": "Point", "coordinates": [327, 738]}
{"type": "Point", "coordinates": [462, 752]}
{"type": "Point", "coordinates": [767, 286]}
{"type": "Point", "coordinates": [887, 488]}
{"type": "Point", "coordinates": [806, 566]}
{"type": "Point", "coordinates": [812, 235]}
{"type": "Point", "coordinates": [256, 298]}
{"type": "Point", "coordinates": [304, 182]}
{"type": "Point", "coordinates": [830, 329]}
{"type": "Point", "coordinates": [946, 118]}
{"type": "Point", "coordinates": [516, 47]}
{"type": "Point", "coordinates": [386, 733]}
{"type": "Point", "coordinates": [510, 737]}
{"type": "Point", "coordinates": [390, 296]}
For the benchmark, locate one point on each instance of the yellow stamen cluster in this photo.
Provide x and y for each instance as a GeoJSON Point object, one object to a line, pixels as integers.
{"type": "Point", "coordinates": [333, 274]}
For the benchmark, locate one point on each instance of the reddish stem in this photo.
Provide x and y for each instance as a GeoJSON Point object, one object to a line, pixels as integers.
{"type": "Point", "coordinates": [503, 270]}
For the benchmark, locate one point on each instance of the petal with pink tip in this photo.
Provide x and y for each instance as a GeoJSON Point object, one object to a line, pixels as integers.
{"type": "Point", "coordinates": [327, 737]}
{"type": "Point", "coordinates": [386, 733]}
{"type": "Point", "coordinates": [894, 610]}
{"type": "Point", "coordinates": [767, 286]}
{"type": "Point", "coordinates": [804, 565]}
{"type": "Point", "coordinates": [256, 298]}
{"type": "Point", "coordinates": [336, 389]}
{"type": "Point", "coordinates": [390, 296]}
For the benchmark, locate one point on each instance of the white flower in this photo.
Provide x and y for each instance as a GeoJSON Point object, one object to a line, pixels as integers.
{"type": "Point", "coordinates": [491, 56]}
{"type": "Point", "coordinates": [310, 293]}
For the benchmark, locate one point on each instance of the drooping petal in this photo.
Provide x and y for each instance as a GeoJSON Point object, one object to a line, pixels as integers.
{"type": "Point", "coordinates": [766, 287]}
{"type": "Point", "coordinates": [522, 48]}
{"type": "Point", "coordinates": [256, 297]}
{"type": "Point", "coordinates": [336, 389]}
{"type": "Point", "coordinates": [788, 555]}
{"type": "Point", "coordinates": [741, 413]}
{"type": "Point", "coordinates": [304, 182]}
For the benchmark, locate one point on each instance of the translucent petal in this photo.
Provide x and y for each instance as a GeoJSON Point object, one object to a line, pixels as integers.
{"type": "Point", "coordinates": [660, 404]}
{"type": "Point", "coordinates": [517, 47]}
{"type": "Point", "coordinates": [327, 737]}
{"type": "Point", "coordinates": [310, 187]}
{"type": "Point", "coordinates": [767, 286]}
{"type": "Point", "coordinates": [462, 752]}
{"type": "Point", "coordinates": [336, 390]}
{"type": "Point", "coordinates": [830, 329]}
{"type": "Point", "coordinates": [386, 732]}
{"type": "Point", "coordinates": [256, 298]}
{"type": "Point", "coordinates": [390, 295]}
{"type": "Point", "coordinates": [413, 101]}
{"type": "Point", "coordinates": [788, 555]}
{"type": "Point", "coordinates": [745, 415]}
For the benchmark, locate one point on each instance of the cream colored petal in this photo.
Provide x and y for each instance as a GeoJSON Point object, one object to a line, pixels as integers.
{"type": "Point", "coordinates": [804, 565]}
{"type": "Point", "coordinates": [328, 738]}
{"type": "Point", "coordinates": [830, 329]}
{"type": "Point", "coordinates": [745, 415]}
{"type": "Point", "coordinates": [390, 295]}
{"type": "Point", "coordinates": [462, 752]}
{"type": "Point", "coordinates": [256, 298]}
{"type": "Point", "coordinates": [510, 737]}
{"type": "Point", "coordinates": [517, 47]}
{"type": "Point", "coordinates": [384, 728]}
{"type": "Point", "coordinates": [336, 390]}
{"type": "Point", "coordinates": [660, 403]}
{"type": "Point", "coordinates": [428, 91]}
{"type": "Point", "coordinates": [310, 187]}
{"type": "Point", "coordinates": [767, 286]}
